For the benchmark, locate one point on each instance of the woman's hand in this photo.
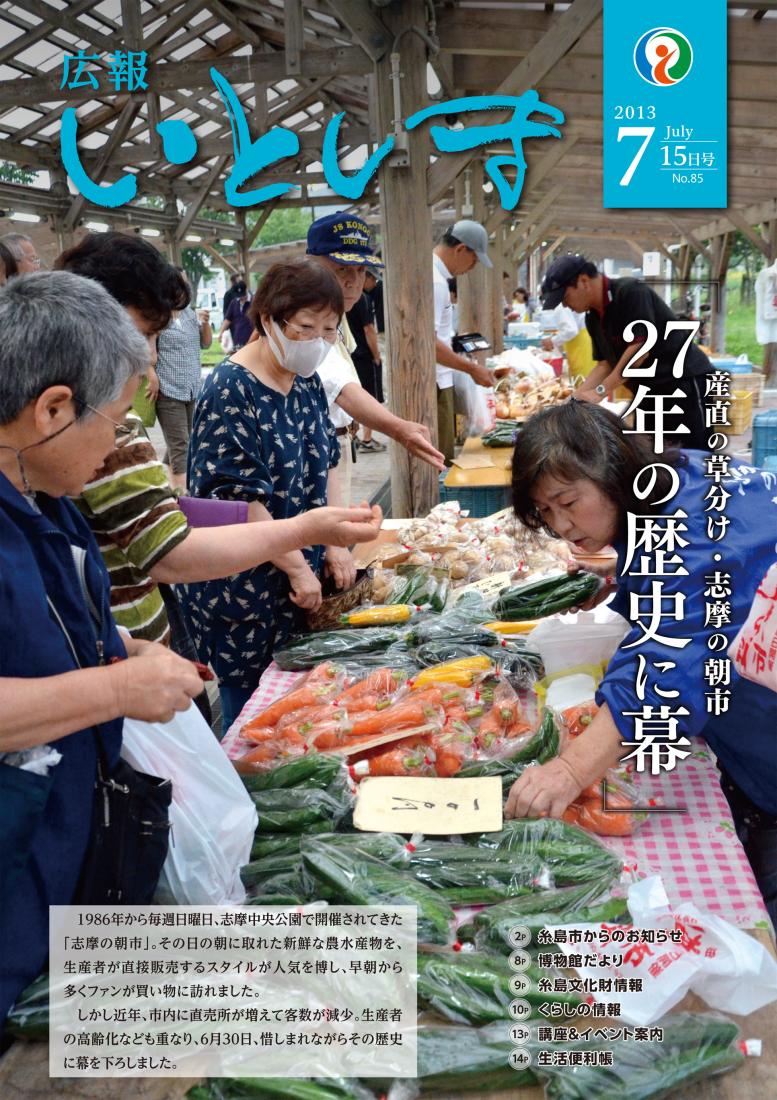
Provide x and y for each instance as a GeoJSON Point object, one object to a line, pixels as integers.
{"type": "Point", "coordinates": [154, 684]}
{"type": "Point", "coordinates": [543, 791]}
{"type": "Point", "coordinates": [601, 569]}
{"type": "Point", "coordinates": [152, 384]}
{"type": "Point", "coordinates": [341, 526]}
{"type": "Point", "coordinates": [339, 564]}
{"type": "Point", "coordinates": [305, 588]}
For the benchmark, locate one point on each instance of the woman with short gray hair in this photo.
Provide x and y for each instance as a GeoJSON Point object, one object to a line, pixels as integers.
{"type": "Point", "coordinates": [70, 362]}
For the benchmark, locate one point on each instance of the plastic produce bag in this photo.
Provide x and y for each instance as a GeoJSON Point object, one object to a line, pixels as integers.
{"type": "Point", "coordinates": [537, 598]}
{"type": "Point", "coordinates": [713, 959]}
{"type": "Point", "coordinates": [212, 816]}
{"type": "Point", "coordinates": [491, 929]}
{"type": "Point", "coordinates": [281, 1088]}
{"type": "Point", "coordinates": [421, 586]}
{"type": "Point", "coordinates": [303, 651]}
{"type": "Point", "coordinates": [462, 1060]}
{"type": "Point", "coordinates": [694, 1046]}
{"type": "Point", "coordinates": [472, 402]}
{"type": "Point", "coordinates": [470, 987]}
{"type": "Point", "coordinates": [572, 855]}
{"type": "Point", "coordinates": [590, 638]}
{"type": "Point", "coordinates": [348, 871]}
{"type": "Point", "coordinates": [298, 810]}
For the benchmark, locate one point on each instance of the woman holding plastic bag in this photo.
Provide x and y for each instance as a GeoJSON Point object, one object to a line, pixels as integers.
{"type": "Point", "coordinates": [573, 476]}
{"type": "Point", "coordinates": [70, 364]}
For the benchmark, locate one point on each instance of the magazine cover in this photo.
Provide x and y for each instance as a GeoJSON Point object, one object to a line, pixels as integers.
{"type": "Point", "coordinates": [388, 549]}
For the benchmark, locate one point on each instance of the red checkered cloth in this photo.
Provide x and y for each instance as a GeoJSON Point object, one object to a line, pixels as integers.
{"type": "Point", "coordinates": [696, 853]}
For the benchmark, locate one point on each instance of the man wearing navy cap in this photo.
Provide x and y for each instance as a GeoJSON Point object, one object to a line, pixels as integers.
{"type": "Point", "coordinates": [610, 305]}
{"type": "Point", "coordinates": [462, 246]}
{"type": "Point", "coordinates": [342, 242]}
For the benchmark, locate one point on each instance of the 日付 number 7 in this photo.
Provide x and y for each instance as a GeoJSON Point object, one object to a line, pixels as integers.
{"type": "Point", "coordinates": [635, 131]}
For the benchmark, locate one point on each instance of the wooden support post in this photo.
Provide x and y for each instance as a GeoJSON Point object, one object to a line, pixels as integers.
{"type": "Point", "coordinates": [295, 36]}
{"type": "Point", "coordinates": [497, 292]}
{"type": "Point", "coordinates": [245, 246]}
{"type": "Point", "coordinates": [720, 255]}
{"type": "Point", "coordinates": [407, 252]}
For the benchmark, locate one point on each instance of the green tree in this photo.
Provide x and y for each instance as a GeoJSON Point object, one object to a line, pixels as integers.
{"type": "Point", "coordinates": [11, 173]}
{"type": "Point", "coordinates": [747, 258]}
{"type": "Point", "coordinates": [195, 263]}
{"type": "Point", "coordinates": [282, 226]}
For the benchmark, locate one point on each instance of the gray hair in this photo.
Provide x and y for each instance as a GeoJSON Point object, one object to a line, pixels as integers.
{"type": "Point", "coordinates": [13, 242]}
{"type": "Point", "coordinates": [61, 329]}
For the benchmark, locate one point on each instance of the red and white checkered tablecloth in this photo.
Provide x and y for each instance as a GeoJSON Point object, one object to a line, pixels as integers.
{"type": "Point", "coordinates": [697, 853]}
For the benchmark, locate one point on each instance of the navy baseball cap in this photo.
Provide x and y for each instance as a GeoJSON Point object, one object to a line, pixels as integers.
{"type": "Point", "coordinates": [563, 271]}
{"type": "Point", "coordinates": [344, 238]}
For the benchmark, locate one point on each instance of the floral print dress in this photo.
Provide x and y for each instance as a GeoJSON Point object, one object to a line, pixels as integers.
{"type": "Point", "coordinates": [252, 443]}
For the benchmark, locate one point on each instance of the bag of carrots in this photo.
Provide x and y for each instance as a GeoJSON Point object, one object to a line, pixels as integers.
{"type": "Point", "coordinates": [606, 812]}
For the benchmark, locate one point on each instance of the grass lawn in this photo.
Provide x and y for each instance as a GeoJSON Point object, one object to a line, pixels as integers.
{"type": "Point", "coordinates": [212, 356]}
{"type": "Point", "coordinates": [740, 323]}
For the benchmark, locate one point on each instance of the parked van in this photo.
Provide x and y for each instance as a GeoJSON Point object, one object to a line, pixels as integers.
{"type": "Point", "coordinates": [209, 298]}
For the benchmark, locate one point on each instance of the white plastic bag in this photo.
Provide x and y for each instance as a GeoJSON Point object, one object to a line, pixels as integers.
{"type": "Point", "coordinates": [721, 964]}
{"type": "Point", "coordinates": [471, 401]}
{"type": "Point", "coordinates": [754, 650]}
{"type": "Point", "coordinates": [590, 637]}
{"type": "Point", "coordinates": [212, 816]}
{"type": "Point", "coordinates": [226, 341]}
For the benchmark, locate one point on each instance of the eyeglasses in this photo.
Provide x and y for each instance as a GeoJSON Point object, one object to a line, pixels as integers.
{"type": "Point", "coordinates": [308, 332]}
{"type": "Point", "coordinates": [123, 431]}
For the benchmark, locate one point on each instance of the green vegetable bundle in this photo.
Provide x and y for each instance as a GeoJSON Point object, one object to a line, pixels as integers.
{"type": "Point", "coordinates": [502, 434]}
{"type": "Point", "coordinates": [474, 988]}
{"type": "Point", "coordinates": [280, 1088]}
{"type": "Point", "coordinates": [299, 810]}
{"type": "Point", "coordinates": [492, 927]}
{"type": "Point", "coordinates": [694, 1047]}
{"type": "Point", "coordinates": [350, 875]}
{"type": "Point", "coordinates": [306, 650]}
{"type": "Point", "coordinates": [420, 586]}
{"type": "Point", "coordinates": [312, 770]}
{"type": "Point", "coordinates": [543, 746]}
{"type": "Point", "coordinates": [29, 1017]}
{"type": "Point", "coordinates": [535, 599]}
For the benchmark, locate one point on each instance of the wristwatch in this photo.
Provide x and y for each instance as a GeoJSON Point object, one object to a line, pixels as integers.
{"type": "Point", "coordinates": [600, 390]}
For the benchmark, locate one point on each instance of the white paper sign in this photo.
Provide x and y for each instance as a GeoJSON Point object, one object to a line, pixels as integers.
{"type": "Point", "coordinates": [435, 807]}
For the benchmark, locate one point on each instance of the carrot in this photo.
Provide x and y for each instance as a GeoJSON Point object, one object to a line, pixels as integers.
{"type": "Point", "coordinates": [325, 673]}
{"type": "Point", "coordinates": [308, 714]}
{"type": "Point", "coordinates": [295, 700]}
{"type": "Point", "coordinates": [579, 718]}
{"type": "Point", "coordinates": [258, 733]}
{"type": "Point", "coordinates": [268, 755]}
{"type": "Point", "coordinates": [517, 729]}
{"type": "Point", "coordinates": [411, 713]}
{"type": "Point", "coordinates": [383, 681]}
{"type": "Point", "coordinates": [447, 763]}
{"type": "Point", "coordinates": [591, 817]}
{"type": "Point", "coordinates": [410, 757]}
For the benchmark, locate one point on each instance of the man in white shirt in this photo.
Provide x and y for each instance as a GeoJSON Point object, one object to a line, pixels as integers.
{"type": "Point", "coordinates": [342, 243]}
{"type": "Point", "coordinates": [461, 247]}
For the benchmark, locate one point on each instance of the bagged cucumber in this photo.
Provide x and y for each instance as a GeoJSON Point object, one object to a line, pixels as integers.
{"type": "Point", "coordinates": [695, 1046]}
{"type": "Point", "coordinates": [307, 650]}
{"type": "Point", "coordinates": [536, 599]}
{"type": "Point", "coordinates": [299, 811]}
{"type": "Point", "coordinates": [29, 1017]}
{"type": "Point", "coordinates": [280, 1088]}
{"type": "Point", "coordinates": [355, 877]}
{"type": "Point", "coordinates": [493, 932]}
{"type": "Point", "coordinates": [474, 987]}
{"type": "Point", "coordinates": [312, 770]}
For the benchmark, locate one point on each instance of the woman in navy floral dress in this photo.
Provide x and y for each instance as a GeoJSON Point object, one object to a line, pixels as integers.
{"type": "Point", "coordinates": [262, 434]}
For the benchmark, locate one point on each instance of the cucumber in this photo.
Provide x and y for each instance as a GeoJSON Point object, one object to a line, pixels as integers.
{"type": "Point", "coordinates": [306, 650]}
{"type": "Point", "coordinates": [536, 599]}
{"type": "Point", "coordinates": [313, 770]}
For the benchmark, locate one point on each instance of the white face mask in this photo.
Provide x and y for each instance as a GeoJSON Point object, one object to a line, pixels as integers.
{"type": "Point", "coordinates": [302, 357]}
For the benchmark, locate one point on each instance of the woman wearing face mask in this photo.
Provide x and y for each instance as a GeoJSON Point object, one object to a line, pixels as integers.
{"type": "Point", "coordinates": [262, 434]}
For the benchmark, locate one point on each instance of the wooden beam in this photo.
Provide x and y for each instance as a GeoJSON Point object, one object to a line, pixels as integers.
{"type": "Point", "coordinates": [59, 17]}
{"type": "Point", "coordinates": [527, 74]}
{"type": "Point", "coordinates": [407, 252]}
{"type": "Point", "coordinates": [31, 34]}
{"type": "Point", "coordinates": [194, 207]}
{"type": "Point", "coordinates": [692, 239]}
{"type": "Point", "coordinates": [497, 292]}
{"type": "Point", "coordinates": [256, 69]}
{"type": "Point", "coordinates": [132, 24]}
{"type": "Point", "coordinates": [554, 245]}
{"type": "Point", "coordinates": [752, 234]}
{"type": "Point", "coordinates": [261, 221]}
{"type": "Point", "coordinates": [363, 25]}
{"type": "Point", "coordinates": [535, 174]}
{"type": "Point", "coordinates": [158, 43]}
{"type": "Point", "coordinates": [295, 36]}
{"type": "Point", "coordinates": [228, 265]}
{"type": "Point", "coordinates": [105, 153]}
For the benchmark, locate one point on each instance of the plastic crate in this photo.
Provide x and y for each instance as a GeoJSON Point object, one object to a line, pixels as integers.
{"type": "Point", "coordinates": [740, 412]}
{"type": "Point", "coordinates": [752, 380]}
{"type": "Point", "coordinates": [523, 342]}
{"type": "Point", "coordinates": [764, 436]}
{"type": "Point", "coordinates": [478, 500]}
{"type": "Point", "coordinates": [770, 463]}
